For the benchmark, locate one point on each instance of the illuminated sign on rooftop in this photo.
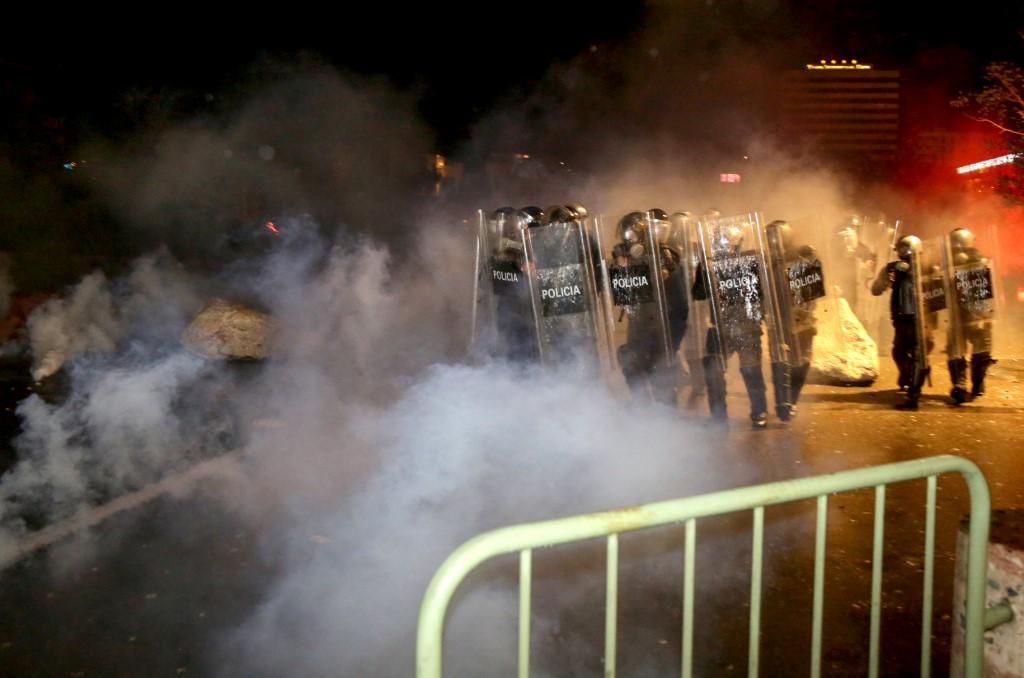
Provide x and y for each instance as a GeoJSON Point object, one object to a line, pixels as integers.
{"type": "Point", "coordinates": [841, 65]}
{"type": "Point", "coordinates": [984, 164]}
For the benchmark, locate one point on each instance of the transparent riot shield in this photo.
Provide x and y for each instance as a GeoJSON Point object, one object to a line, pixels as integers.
{"type": "Point", "coordinates": [734, 268]}
{"type": "Point", "coordinates": [676, 282]}
{"type": "Point", "coordinates": [877, 319]}
{"type": "Point", "coordinates": [797, 281]}
{"type": "Point", "coordinates": [852, 263]}
{"type": "Point", "coordinates": [968, 311]}
{"type": "Point", "coordinates": [732, 279]}
{"type": "Point", "coordinates": [562, 265]}
{"type": "Point", "coordinates": [971, 298]}
{"type": "Point", "coordinates": [503, 320]}
{"type": "Point", "coordinates": [643, 303]}
{"type": "Point", "coordinates": [929, 300]}
{"type": "Point", "coordinates": [686, 240]}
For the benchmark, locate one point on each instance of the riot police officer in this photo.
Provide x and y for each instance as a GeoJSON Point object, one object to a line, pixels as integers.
{"type": "Point", "coordinates": [514, 338]}
{"type": "Point", "coordinates": [973, 316]}
{"type": "Point", "coordinates": [855, 264]}
{"type": "Point", "coordinates": [673, 276]}
{"type": "Point", "coordinates": [736, 325]}
{"type": "Point", "coordinates": [912, 341]}
{"type": "Point", "coordinates": [561, 263]}
{"type": "Point", "coordinates": [797, 276]}
{"type": "Point", "coordinates": [656, 310]}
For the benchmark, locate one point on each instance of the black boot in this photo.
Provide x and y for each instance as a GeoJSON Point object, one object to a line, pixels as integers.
{"type": "Point", "coordinates": [917, 380]}
{"type": "Point", "coordinates": [979, 366]}
{"type": "Point", "coordinates": [958, 375]}
{"type": "Point", "coordinates": [797, 381]}
{"type": "Point", "coordinates": [904, 366]}
{"type": "Point", "coordinates": [714, 378]}
{"type": "Point", "coordinates": [756, 391]}
{"type": "Point", "coordinates": [782, 381]}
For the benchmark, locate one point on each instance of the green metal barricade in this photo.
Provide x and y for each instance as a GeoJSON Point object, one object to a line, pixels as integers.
{"type": "Point", "coordinates": [524, 538]}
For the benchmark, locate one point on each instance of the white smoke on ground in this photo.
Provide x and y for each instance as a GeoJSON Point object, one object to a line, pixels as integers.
{"type": "Point", "coordinates": [463, 450]}
{"type": "Point", "coordinates": [384, 445]}
{"type": "Point", "coordinates": [365, 430]}
{"type": "Point", "coordinates": [122, 422]}
{"type": "Point", "coordinates": [113, 434]}
{"type": "Point", "coordinates": [153, 299]}
{"type": "Point", "coordinates": [65, 327]}
{"type": "Point", "coordinates": [389, 452]}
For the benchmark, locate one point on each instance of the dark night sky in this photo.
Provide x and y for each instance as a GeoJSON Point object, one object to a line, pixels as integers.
{"type": "Point", "coordinates": [81, 88]}
{"type": "Point", "coordinates": [440, 55]}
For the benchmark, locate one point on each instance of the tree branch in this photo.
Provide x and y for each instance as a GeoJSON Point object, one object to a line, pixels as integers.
{"type": "Point", "coordinates": [995, 124]}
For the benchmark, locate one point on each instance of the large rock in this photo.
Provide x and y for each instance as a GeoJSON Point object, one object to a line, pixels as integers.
{"type": "Point", "coordinates": [844, 352]}
{"type": "Point", "coordinates": [225, 330]}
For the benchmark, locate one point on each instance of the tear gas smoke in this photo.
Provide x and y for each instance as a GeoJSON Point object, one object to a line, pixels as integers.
{"type": "Point", "coordinates": [152, 299]}
{"type": "Point", "coordinates": [463, 450]}
{"type": "Point", "coordinates": [297, 138]}
{"type": "Point", "coordinates": [383, 443]}
{"type": "Point", "coordinates": [381, 448]}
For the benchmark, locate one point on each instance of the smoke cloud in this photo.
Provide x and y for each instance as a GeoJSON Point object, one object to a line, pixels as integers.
{"type": "Point", "coordinates": [370, 445]}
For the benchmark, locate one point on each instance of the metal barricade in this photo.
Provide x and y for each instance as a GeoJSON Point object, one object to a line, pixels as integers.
{"type": "Point", "coordinates": [523, 539]}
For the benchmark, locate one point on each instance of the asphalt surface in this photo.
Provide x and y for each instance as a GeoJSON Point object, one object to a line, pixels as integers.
{"type": "Point", "coordinates": [164, 583]}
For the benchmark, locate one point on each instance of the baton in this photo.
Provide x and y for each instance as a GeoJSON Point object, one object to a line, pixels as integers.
{"type": "Point", "coordinates": [895, 235]}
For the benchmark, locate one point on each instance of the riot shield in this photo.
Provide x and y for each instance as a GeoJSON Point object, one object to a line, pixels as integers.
{"type": "Point", "coordinates": [503, 320]}
{"type": "Point", "coordinates": [733, 274]}
{"type": "Point", "coordinates": [877, 319]}
{"type": "Point", "coordinates": [970, 298]}
{"type": "Point", "coordinates": [644, 307]}
{"type": "Point", "coordinates": [929, 292]}
{"type": "Point", "coordinates": [853, 263]}
{"type": "Point", "coordinates": [968, 308]}
{"type": "Point", "coordinates": [732, 279]}
{"type": "Point", "coordinates": [562, 265]}
{"type": "Point", "coordinates": [796, 281]}
{"type": "Point", "coordinates": [686, 239]}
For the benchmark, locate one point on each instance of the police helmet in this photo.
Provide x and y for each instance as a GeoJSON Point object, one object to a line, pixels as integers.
{"type": "Point", "coordinates": [577, 209]}
{"type": "Point", "coordinates": [503, 212]}
{"type": "Point", "coordinates": [729, 238]}
{"type": "Point", "coordinates": [531, 216]}
{"type": "Point", "coordinates": [961, 238]}
{"type": "Point", "coordinates": [907, 245]}
{"type": "Point", "coordinates": [559, 214]}
{"type": "Point", "coordinates": [631, 227]}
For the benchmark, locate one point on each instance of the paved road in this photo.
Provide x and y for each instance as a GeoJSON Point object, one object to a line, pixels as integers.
{"type": "Point", "coordinates": [166, 581]}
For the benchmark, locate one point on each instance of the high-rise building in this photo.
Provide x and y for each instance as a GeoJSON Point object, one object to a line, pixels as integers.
{"type": "Point", "coordinates": [846, 110]}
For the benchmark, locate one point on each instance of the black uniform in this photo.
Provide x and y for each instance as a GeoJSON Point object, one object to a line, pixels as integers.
{"type": "Point", "coordinates": [977, 330]}
{"type": "Point", "coordinates": [513, 312]}
{"type": "Point", "coordinates": [903, 309]}
{"type": "Point", "coordinates": [642, 356]}
{"type": "Point", "coordinates": [742, 335]}
{"type": "Point", "coordinates": [789, 380]}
